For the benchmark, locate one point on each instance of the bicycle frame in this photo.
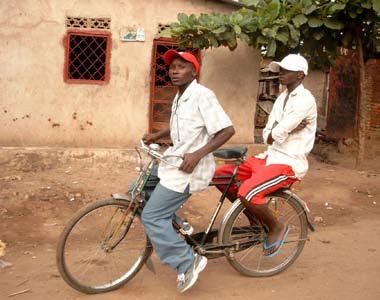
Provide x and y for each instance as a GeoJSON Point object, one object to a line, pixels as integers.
{"type": "Point", "coordinates": [199, 241]}
{"type": "Point", "coordinates": [227, 181]}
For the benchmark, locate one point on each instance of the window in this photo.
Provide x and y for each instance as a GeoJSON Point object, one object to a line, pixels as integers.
{"type": "Point", "coordinates": [87, 56]}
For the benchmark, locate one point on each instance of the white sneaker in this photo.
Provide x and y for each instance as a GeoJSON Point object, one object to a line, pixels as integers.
{"type": "Point", "coordinates": [187, 280]}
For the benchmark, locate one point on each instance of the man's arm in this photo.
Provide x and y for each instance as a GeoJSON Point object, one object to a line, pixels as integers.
{"type": "Point", "coordinates": [270, 139]}
{"type": "Point", "coordinates": [300, 126]}
{"type": "Point", "coordinates": [149, 138]}
{"type": "Point", "coordinates": [191, 160]}
{"type": "Point", "coordinates": [294, 120]}
{"type": "Point", "coordinates": [271, 122]}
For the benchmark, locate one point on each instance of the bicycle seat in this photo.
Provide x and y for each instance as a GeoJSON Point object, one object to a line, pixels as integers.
{"type": "Point", "coordinates": [230, 153]}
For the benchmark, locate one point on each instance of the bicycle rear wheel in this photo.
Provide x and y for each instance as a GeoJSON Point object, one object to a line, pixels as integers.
{"type": "Point", "coordinates": [248, 258]}
{"type": "Point", "coordinates": [98, 251]}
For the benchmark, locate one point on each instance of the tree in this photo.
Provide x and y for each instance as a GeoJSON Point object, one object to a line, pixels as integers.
{"type": "Point", "coordinates": [315, 28]}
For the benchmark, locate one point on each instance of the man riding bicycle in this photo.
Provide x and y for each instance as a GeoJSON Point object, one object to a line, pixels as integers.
{"type": "Point", "coordinates": [198, 126]}
{"type": "Point", "coordinates": [289, 133]}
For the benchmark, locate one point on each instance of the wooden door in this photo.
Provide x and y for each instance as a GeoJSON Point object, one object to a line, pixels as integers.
{"type": "Point", "coordinates": [162, 92]}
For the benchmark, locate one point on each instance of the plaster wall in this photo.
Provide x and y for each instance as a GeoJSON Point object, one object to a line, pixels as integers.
{"type": "Point", "coordinates": [37, 107]}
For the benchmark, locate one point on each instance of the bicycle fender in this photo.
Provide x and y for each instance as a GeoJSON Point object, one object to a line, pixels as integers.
{"type": "Point", "coordinates": [226, 216]}
{"type": "Point", "coordinates": [121, 196]}
{"type": "Point", "coordinates": [304, 206]}
{"type": "Point", "coordinates": [237, 203]}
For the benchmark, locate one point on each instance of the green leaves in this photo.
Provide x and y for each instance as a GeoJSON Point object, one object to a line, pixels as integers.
{"type": "Point", "coordinates": [314, 27]}
{"type": "Point", "coordinates": [237, 29]}
{"type": "Point", "coordinates": [314, 22]}
{"type": "Point", "coordinates": [182, 18]}
{"type": "Point", "coordinates": [308, 10]}
{"type": "Point", "coordinates": [366, 4]}
{"type": "Point", "coordinates": [294, 33]}
{"type": "Point", "coordinates": [269, 32]}
{"type": "Point", "coordinates": [282, 36]}
{"type": "Point", "coordinates": [272, 10]}
{"type": "Point", "coordinates": [166, 33]}
{"type": "Point", "coordinates": [299, 20]}
{"type": "Point", "coordinates": [333, 24]}
{"type": "Point", "coordinates": [376, 6]}
{"type": "Point", "coordinates": [220, 29]}
{"type": "Point", "coordinates": [335, 7]}
{"type": "Point", "coordinates": [253, 3]}
{"type": "Point", "coordinates": [271, 48]}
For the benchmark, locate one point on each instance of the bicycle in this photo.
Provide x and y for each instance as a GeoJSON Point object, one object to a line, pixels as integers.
{"type": "Point", "coordinates": [104, 244]}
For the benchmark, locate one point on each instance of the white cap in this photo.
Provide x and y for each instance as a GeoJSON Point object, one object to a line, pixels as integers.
{"type": "Point", "coordinates": [291, 62]}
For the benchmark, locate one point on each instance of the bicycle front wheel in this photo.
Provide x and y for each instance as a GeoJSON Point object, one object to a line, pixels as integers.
{"type": "Point", "coordinates": [102, 247]}
{"type": "Point", "coordinates": [249, 235]}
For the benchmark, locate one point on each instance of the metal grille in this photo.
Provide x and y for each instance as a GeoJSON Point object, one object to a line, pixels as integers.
{"type": "Point", "coordinates": [162, 27]}
{"type": "Point", "coordinates": [87, 56]}
{"type": "Point", "coordinates": [94, 23]}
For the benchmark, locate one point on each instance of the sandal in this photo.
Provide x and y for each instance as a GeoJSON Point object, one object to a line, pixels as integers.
{"type": "Point", "coordinates": [276, 246]}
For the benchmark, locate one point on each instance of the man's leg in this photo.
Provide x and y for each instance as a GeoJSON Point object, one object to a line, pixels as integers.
{"type": "Point", "coordinates": [266, 180]}
{"type": "Point", "coordinates": [157, 218]}
{"type": "Point", "coordinates": [263, 213]}
{"type": "Point", "coordinates": [244, 172]}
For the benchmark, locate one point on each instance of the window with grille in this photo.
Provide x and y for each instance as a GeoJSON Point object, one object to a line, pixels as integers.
{"type": "Point", "coordinates": [87, 56]}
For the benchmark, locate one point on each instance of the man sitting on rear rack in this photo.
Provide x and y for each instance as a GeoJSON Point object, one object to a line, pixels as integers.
{"type": "Point", "coordinates": [289, 133]}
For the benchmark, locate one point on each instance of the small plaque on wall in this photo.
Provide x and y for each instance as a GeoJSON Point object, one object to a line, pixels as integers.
{"type": "Point", "coordinates": [132, 34]}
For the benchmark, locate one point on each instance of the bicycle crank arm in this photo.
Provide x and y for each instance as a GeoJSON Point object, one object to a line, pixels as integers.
{"type": "Point", "coordinates": [150, 266]}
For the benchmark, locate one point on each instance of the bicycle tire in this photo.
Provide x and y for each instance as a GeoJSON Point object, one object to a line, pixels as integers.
{"type": "Point", "coordinates": [265, 266]}
{"type": "Point", "coordinates": [66, 266]}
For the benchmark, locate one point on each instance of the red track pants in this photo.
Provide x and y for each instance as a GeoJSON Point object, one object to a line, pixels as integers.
{"type": "Point", "coordinates": [258, 179]}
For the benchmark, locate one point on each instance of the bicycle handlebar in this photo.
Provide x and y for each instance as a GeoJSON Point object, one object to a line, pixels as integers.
{"type": "Point", "coordinates": [152, 150]}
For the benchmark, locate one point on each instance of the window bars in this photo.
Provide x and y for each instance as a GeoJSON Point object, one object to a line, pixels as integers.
{"type": "Point", "coordinates": [87, 56]}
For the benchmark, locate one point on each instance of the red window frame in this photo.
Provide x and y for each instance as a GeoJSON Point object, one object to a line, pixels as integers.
{"type": "Point", "coordinates": [93, 33]}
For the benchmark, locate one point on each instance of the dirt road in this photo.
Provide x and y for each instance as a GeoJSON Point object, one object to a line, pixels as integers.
{"type": "Point", "coordinates": [341, 260]}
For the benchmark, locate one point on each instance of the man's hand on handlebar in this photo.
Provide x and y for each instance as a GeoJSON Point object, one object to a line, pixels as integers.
{"type": "Point", "coordinates": [150, 138]}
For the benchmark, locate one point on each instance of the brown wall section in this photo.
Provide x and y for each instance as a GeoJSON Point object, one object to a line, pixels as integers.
{"type": "Point", "coordinates": [342, 104]}
{"type": "Point", "coordinates": [372, 90]}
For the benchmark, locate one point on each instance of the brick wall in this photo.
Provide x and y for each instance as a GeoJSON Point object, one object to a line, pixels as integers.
{"type": "Point", "coordinates": [372, 89]}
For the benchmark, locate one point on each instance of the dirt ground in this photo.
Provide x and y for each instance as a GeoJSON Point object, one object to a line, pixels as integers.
{"type": "Point", "coordinates": [341, 260]}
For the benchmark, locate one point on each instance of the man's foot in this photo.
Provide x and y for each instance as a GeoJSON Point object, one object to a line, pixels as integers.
{"type": "Point", "coordinates": [272, 246]}
{"type": "Point", "coordinates": [187, 280]}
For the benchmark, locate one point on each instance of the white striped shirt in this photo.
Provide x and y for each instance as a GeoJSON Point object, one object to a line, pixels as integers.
{"type": "Point", "coordinates": [196, 117]}
{"type": "Point", "coordinates": [291, 148]}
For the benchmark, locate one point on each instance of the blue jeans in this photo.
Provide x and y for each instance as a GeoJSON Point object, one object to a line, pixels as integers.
{"type": "Point", "coordinates": [157, 218]}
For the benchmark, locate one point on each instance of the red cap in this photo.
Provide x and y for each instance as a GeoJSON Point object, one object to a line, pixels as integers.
{"type": "Point", "coordinates": [170, 55]}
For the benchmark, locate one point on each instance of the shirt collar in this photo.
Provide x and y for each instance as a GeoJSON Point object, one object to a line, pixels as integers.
{"type": "Point", "coordinates": [187, 93]}
{"type": "Point", "coordinates": [297, 90]}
